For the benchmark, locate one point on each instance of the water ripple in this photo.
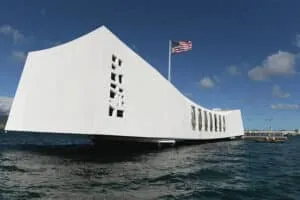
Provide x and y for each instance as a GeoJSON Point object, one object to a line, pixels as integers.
{"type": "Point", "coordinates": [56, 168]}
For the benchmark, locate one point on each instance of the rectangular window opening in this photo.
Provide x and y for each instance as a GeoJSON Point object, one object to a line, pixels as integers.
{"type": "Point", "coordinates": [112, 94]}
{"type": "Point", "coordinates": [211, 122]}
{"type": "Point", "coordinates": [113, 58]}
{"type": "Point", "coordinates": [110, 111]}
{"type": "Point", "coordinates": [193, 117]}
{"type": "Point", "coordinates": [120, 62]}
{"type": "Point", "coordinates": [199, 119]}
{"type": "Point", "coordinates": [224, 124]}
{"type": "Point", "coordinates": [220, 123]}
{"type": "Point", "coordinates": [120, 78]}
{"type": "Point", "coordinates": [112, 85]}
{"type": "Point", "coordinates": [205, 121]}
{"type": "Point", "coordinates": [113, 76]}
{"type": "Point", "coordinates": [216, 123]}
{"type": "Point", "coordinates": [113, 66]}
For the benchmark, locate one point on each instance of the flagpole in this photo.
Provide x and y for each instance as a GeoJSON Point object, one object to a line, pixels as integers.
{"type": "Point", "coordinates": [169, 69]}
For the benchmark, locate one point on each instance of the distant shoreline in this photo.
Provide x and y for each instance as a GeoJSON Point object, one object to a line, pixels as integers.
{"type": "Point", "coordinates": [3, 120]}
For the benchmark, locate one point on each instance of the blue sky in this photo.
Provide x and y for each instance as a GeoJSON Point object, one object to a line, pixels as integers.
{"type": "Point", "coordinates": [245, 53]}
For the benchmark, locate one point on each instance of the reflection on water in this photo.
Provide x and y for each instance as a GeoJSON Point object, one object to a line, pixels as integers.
{"type": "Point", "coordinates": [74, 168]}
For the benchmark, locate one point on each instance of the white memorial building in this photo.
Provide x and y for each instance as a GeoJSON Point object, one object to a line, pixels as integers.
{"type": "Point", "coordinates": [96, 85]}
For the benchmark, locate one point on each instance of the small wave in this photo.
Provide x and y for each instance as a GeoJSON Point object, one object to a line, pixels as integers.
{"type": "Point", "coordinates": [17, 194]}
{"type": "Point", "coordinates": [12, 169]}
{"type": "Point", "coordinates": [91, 172]}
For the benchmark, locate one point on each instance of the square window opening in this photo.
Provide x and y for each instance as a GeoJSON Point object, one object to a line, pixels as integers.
{"type": "Point", "coordinates": [120, 113]}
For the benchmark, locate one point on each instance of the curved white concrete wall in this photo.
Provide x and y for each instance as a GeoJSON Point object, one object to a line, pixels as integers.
{"type": "Point", "coordinates": [66, 89]}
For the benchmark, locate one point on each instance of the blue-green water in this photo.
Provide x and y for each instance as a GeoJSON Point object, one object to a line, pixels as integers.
{"type": "Point", "coordinates": [69, 167]}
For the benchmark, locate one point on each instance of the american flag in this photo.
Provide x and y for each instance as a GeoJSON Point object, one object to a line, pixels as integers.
{"type": "Point", "coordinates": [181, 46]}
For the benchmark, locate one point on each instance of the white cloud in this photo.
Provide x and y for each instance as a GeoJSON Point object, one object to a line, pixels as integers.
{"type": "Point", "coordinates": [297, 40]}
{"type": "Point", "coordinates": [285, 106]}
{"type": "Point", "coordinates": [277, 92]}
{"type": "Point", "coordinates": [8, 30]}
{"type": "Point", "coordinates": [5, 104]}
{"type": "Point", "coordinates": [207, 82]}
{"type": "Point", "coordinates": [232, 70]}
{"type": "Point", "coordinates": [278, 64]}
{"type": "Point", "coordinates": [19, 55]}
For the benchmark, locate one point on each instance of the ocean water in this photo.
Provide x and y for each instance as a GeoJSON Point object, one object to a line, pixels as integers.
{"type": "Point", "coordinates": [39, 166]}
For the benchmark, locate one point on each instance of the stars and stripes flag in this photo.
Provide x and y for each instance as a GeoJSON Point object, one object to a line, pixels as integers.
{"type": "Point", "coordinates": [177, 47]}
{"type": "Point", "coordinates": [181, 46]}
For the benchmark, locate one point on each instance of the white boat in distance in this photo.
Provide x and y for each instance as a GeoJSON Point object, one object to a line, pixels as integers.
{"type": "Point", "coordinates": [96, 85]}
